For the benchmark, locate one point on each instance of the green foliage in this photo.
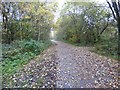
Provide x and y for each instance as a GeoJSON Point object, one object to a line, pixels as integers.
{"type": "Point", "coordinates": [73, 39]}
{"type": "Point", "coordinates": [16, 57]}
{"type": "Point", "coordinates": [25, 34]}
{"type": "Point", "coordinates": [31, 46]}
{"type": "Point", "coordinates": [88, 24]}
{"type": "Point", "coordinates": [107, 47]}
{"type": "Point", "coordinates": [27, 20]}
{"type": "Point", "coordinates": [82, 23]}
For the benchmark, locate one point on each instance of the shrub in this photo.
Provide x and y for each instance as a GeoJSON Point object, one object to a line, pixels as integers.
{"type": "Point", "coordinates": [14, 57]}
{"type": "Point", "coordinates": [31, 46]}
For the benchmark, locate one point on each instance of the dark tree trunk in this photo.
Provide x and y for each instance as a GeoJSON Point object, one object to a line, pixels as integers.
{"type": "Point", "coordinates": [5, 22]}
{"type": "Point", "coordinates": [119, 38]}
{"type": "Point", "coordinates": [12, 35]}
{"type": "Point", "coordinates": [115, 8]}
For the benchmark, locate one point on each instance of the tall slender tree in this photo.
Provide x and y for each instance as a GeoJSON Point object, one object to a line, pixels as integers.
{"type": "Point", "coordinates": [114, 5]}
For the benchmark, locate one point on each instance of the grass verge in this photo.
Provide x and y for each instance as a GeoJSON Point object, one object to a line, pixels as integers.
{"type": "Point", "coordinates": [18, 54]}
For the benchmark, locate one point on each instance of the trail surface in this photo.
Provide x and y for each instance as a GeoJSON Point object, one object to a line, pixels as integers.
{"type": "Point", "coordinates": [67, 66]}
{"type": "Point", "coordinates": [79, 68]}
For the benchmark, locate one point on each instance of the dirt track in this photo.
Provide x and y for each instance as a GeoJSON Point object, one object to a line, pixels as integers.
{"type": "Point", "coordinates": [67, 66]}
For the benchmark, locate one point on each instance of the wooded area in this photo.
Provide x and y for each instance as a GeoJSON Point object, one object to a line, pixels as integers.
{"type": "Point", "coordinates": [26, 33]}
{"type": "Point", "coordinates": [91, 24]}
{"type": "Point", "coordinates": [26, 30]}
{"type": "Point", "coordinates": [26, 20]}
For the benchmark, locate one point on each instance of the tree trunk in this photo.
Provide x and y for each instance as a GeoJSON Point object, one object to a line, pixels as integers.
{"type": "Point", "coordinates": [21, 30]}
{"type": "Point", "coordinates": [12, 35]}
{"type": "Point", "coordinates": [39, 35]}
{"type": "Point", "coordinates": [6, 27]}
{"type": "Point", "coordinates": [119, 38]}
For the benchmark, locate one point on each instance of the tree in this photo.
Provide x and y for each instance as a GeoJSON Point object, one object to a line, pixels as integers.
{"type": "Point", "coordinates": [115, 8]}
{"type": "Point", "coordinates": [27, 20]}
{"type": "Point", "coordinates": [84, 22]}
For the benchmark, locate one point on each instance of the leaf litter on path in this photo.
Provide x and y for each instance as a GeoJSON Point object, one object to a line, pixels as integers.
{"type": "Point", "coordinates": [39, 72]}
{"type": "Point", "coordinates": [67, 66]}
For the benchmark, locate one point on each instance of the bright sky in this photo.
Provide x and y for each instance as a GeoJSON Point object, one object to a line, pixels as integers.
{"type": "Point", "coordinates": [61, 2]}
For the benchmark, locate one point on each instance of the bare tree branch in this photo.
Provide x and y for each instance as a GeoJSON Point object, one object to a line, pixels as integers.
{"type": "Point", "coordinates": [74, 19]}
{"type": "Point", "coordinates": [111, 9]}
{"type": "Point", "coordinates": [119, 7]}
{"type": "Point", "coordinates": [104, 28]}
{"type": "Point", "coordinates": [115, 8]}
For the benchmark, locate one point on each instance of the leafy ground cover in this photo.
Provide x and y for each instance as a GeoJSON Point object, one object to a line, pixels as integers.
{"type": "Point", "coordinates": [106, 46]}
{"type": "Point", "coordinates": [20, 53]}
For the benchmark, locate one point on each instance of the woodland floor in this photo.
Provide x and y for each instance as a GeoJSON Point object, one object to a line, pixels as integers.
{"type": "Point", "coordinates": [67, 66]}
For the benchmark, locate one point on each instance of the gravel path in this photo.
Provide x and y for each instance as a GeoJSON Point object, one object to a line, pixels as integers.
{"type": "Point", "coordinates": [67, 66]}
{"type": "Point", "coordinates": [79, 68]}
